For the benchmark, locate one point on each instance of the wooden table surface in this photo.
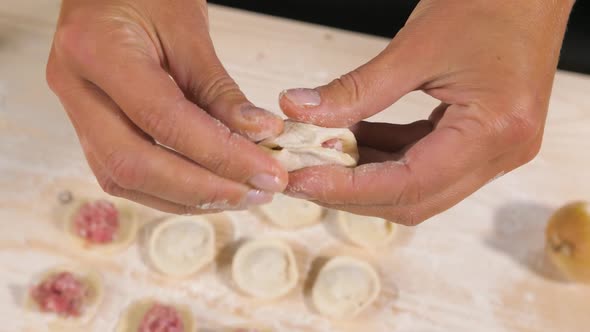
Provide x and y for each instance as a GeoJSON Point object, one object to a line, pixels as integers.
{"type": "Point", "coordinates": [478, 267]}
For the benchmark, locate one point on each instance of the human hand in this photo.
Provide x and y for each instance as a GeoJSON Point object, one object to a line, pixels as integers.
{"type": "Point", "coordinates": [490, 63]}
{"type": "Point", "coordinates": [111, 66]}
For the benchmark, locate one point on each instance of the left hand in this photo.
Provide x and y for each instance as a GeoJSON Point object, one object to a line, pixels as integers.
{"type": "Point", "coordinates": [160, 120]}
{"type": "Point", "coordinates": [490, 63]}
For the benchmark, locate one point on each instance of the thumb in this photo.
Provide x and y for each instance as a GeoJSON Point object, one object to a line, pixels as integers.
{"type": "Point", "coordinates": [358, 94]}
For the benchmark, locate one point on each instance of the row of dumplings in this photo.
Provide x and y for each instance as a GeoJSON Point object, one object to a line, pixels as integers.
{"type": "Point", "coordinates": [181, 245]}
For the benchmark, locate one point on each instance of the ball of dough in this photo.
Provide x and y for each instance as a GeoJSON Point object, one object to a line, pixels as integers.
{"type": "Point", "coordinates": [568, 240]}
{"type": "Point", "coordinates": [344, 287]}
{"type": "Point", "coordinates": [288, 212]}
{"type": "Point", "coordinates": [364, 231]}
{"type": "Point", "coordinates": [180, 246]}
{"type": "Point", "coordinates": [265, 268]}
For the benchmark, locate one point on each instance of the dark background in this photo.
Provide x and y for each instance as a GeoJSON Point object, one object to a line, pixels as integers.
{"type": "Point", "coordinates": [386, 17]}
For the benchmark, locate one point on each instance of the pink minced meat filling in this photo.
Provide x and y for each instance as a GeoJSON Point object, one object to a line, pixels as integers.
{"type": "Point", "coordinates": [161, 318]}
{"type": "Point", "coordinates": [97, 221]}
{"type": "Point", "coordinates": [61, 293]}
{"type": "Point", "coordinates": [334, 143]}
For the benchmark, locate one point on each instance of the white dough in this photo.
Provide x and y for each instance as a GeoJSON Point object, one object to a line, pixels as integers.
{"type": "Point", "coordinates": [265, 268]}
{"type": "Point", "coordinates": [90, 278]}
{"type": "Point", "coordinates": [288, 212]}
{"type": "Point", "coordinates": [300, 146]}
{"type": "Point", "coordinates": [344, 287]}
{"type": "Point", "coordinates": [126, 234]}
{"type": "Point", "coordinates": [131, 319]}
{"type": "Point", "coordinates": [180, 246]}
{"type": "Point", "coordinates": [364, 231]}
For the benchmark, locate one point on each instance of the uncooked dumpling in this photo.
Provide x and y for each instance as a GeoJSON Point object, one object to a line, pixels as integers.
{"type": "Point", "coordinates": [364, 231]}
{"type": "Point", "coordinates": [303, 145]}
{"type": "Point", "coordinates": [265, 268]}
{"type": "Point", "coordinates": [344, 287]}
{"type": "Point", "coordinates": [72, 294]}
{"type": "Point", "coordinates": [168, 317]}
{"type": "Point", "coordinates": [180, 246]}
{"type": "Point", "coordinates": [100, 225]}
{"type": "Point", "coordinates": [288, 212]}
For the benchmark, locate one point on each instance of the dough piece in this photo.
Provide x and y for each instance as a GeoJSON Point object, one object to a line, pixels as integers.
{"type": "Point", "coordinates": [123, 237]}
{"type": "Point", "coordinates": [288, 212]}
{"type": "Point", "coordinates": [265, 268]}
{"type": "Point", "coordinates": [364, 231]}
{"type": "Point", "coordinates": [132, 318]}
{"type": "Point", "coordinates": [344, 287]}
{"type": "Point", "coordinates": [94, 293]}
{"type": "Point", "coordinates": [180, 246]}
{"type": "Point", "coordinates": [303, 145]}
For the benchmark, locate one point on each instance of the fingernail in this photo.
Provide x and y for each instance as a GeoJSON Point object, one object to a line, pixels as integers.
{"type": "Point", "coordinates": [257, 197]}
{"type": "Point", "coordinates": [266, 182]}
{"type": "Point", "coordinates": [260, 124]}
{"type": "Point", "coordinates": [251, 113]}
{"type": "Point", "coordinates": [303, 97]}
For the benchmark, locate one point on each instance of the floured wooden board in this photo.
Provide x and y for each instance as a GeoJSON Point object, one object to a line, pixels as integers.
{"type": "Point", "coordinates": [477, 267]}
{"type": "Point", "coordinates": [211, 293]}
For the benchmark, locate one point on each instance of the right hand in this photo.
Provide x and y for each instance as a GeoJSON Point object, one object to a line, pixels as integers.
{"type": "Point", "coordinates": [494, 84]}
{"type": "Point", "coordinates": [181, 145]}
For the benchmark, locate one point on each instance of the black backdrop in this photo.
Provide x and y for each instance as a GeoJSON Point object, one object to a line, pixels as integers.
{"type": "Point", "coordinates": [385, 17]}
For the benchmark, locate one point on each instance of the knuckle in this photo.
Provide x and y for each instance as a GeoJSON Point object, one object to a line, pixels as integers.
{"type": "Point", "coordinates": [161, 125]}
{"type": "Point", "coordinates": [530, 152]}
{"type": "Point", "coordinates": [522, 123]}
{"type": "Point", "coordinates": [81, 33]}
{"type": "Point", "coordinates": [217, 164]}
{"type": "Point", "coordinates": [125, 169]}
{"type": "Point", "coordinates": [211, 198]}
{"type": "Point", "coordinates": [528, 126]}
{"type": "Point", "coordinates": [219, 161]}
{"type": "Point", "coordinates": [207, 195]}
{"type": "Point", "coordinates": [214, 87]}
{"type": "Point", "coordinates": [71, 38]}
{"type": "Point", "coordinates": [351, 85]}
{"type": "Point", "coordinates": [53, 76]}
{"type": "Point", "coordinates": [110, 187]}
{"type": "Point", "coordinates": [521, 128]}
